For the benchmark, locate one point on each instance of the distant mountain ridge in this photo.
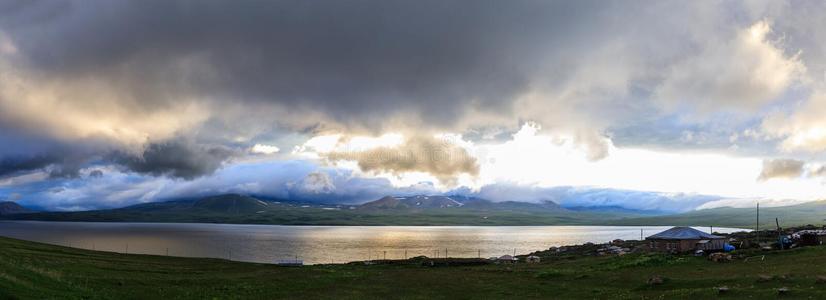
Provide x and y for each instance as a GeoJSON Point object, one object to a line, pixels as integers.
{"type": "Point", "coordinates": [9, 208]}
{"type": "Point", "coordinates": [390, 210]}
{"type": "Point", "coordinates": [438, 202]}
{"type": "Point", "coordinates": [415, 210]}
{"type": "Point", "coordinates": [231, 203]}
{"type": "Point", "coordinates": [801, 214]}
{"type": "Point", "coordinates": [618, 209]}
{"type": "Point", "coordinates": [412, 202]}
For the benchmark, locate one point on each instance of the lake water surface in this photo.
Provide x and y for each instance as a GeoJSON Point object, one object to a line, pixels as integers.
{"type": "Point", "coordinates": [316, 244]}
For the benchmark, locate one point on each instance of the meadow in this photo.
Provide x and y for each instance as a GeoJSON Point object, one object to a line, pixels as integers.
{"type": "Point", "coordinates": [31, 270]}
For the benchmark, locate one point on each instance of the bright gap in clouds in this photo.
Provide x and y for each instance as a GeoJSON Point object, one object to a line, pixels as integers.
{"type": "Point", "coordinates": [532, 158]}
{"type": "Point", "coordinates": [264, 149]}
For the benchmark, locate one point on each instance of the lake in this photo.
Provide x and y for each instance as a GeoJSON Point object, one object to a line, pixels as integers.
{"type": "Point", "coordinates": [316, 244]}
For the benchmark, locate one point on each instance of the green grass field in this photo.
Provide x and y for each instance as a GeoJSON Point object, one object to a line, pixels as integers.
{"type": "Point", "coordinates": [37, 271]}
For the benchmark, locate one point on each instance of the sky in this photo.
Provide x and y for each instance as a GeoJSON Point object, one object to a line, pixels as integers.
{"type": "Point", "coordinates": [650, 105]}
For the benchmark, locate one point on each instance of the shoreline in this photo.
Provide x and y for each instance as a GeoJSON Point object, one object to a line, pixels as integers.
{"type": "Point", "coordinates": [239, 242]}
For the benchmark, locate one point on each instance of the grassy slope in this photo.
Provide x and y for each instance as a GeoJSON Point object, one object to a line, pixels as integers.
{"type": "Point", "coordinates": [37, 271]}
{"type": "Point", "coordinates": [807, 213]}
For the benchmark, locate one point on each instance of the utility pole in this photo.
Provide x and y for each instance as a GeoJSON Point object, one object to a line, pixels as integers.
{"type": "Point", "coordinates": [779, 234]}
{"type": "Point", "coordinates": [641, 234]}
{"type": "Point", "coordinates": [757, 225]}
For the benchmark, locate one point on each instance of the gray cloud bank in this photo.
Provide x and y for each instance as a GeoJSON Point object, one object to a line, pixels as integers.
{"type": "Point", "coordinates": [357, 60]}
{"type": "Point", "coordinates": [374, 64]}
{"type": "Point", "coordinates": [149, 80]}
{"type": "Point", "coordinates": [177, 159]}
{"type": "Point", "coordinates": [142, 73]}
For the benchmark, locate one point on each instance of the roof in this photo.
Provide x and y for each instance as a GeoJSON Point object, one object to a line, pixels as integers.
{"type": "Point", "coordinates": [506, 257]}
{"type": "Point", "coordinates": [683, 233]}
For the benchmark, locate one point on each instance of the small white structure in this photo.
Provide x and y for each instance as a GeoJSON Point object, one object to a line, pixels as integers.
{"type": "Point", "coordinates": [507, 259]}
{"type": "Point", "coordinates": [532, 259]}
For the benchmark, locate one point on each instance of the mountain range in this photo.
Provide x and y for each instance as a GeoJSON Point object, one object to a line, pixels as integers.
{"type": "Point", "coordinates": [9, 208]}
{"type": "Point", "coordinates": [411, 210]}
{"type": "Point", "coordinates": [417, 210]}
{"type": "Point", "coordinates": [420, 203]}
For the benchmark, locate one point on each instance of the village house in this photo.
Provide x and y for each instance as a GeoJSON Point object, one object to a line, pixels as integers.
{"type": "Point", "coordinates": [506, 259]}
{"type": "Point", "coordinates": [810, 237]}
{"type": "Point", "coordinates": [685, 239]}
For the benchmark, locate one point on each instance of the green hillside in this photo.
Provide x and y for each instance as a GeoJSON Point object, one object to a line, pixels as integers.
{"type": "Point", "coordinates": [37, 271]}
{"type": "Point", "coordinates": [802, 214]}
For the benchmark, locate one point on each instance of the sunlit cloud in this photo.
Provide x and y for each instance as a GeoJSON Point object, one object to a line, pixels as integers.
{"type": "Point", "coordinates": [264, 149]}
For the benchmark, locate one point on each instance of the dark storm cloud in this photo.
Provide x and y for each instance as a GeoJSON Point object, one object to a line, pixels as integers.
{"type": "Point", "coordinates": [57, 166]}
{"type": "Point", "coordinates": [22, 153]}
{"type": "Point", "coordinates": [245, 67]}
{"type": "Point", "coordinates": [96, 174]}
{"type": "Point", "coordinates": [60, 159]}
{"type": "Point", "coordinates": [176, 159]}
{"type": "Point", "coordinates": [12, 165]}
{"type": "Point", "coordinates": [352, 60]}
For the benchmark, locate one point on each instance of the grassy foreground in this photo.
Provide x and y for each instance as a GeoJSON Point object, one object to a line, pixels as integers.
{"type": "Point", "coordinates": [37, 271]}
